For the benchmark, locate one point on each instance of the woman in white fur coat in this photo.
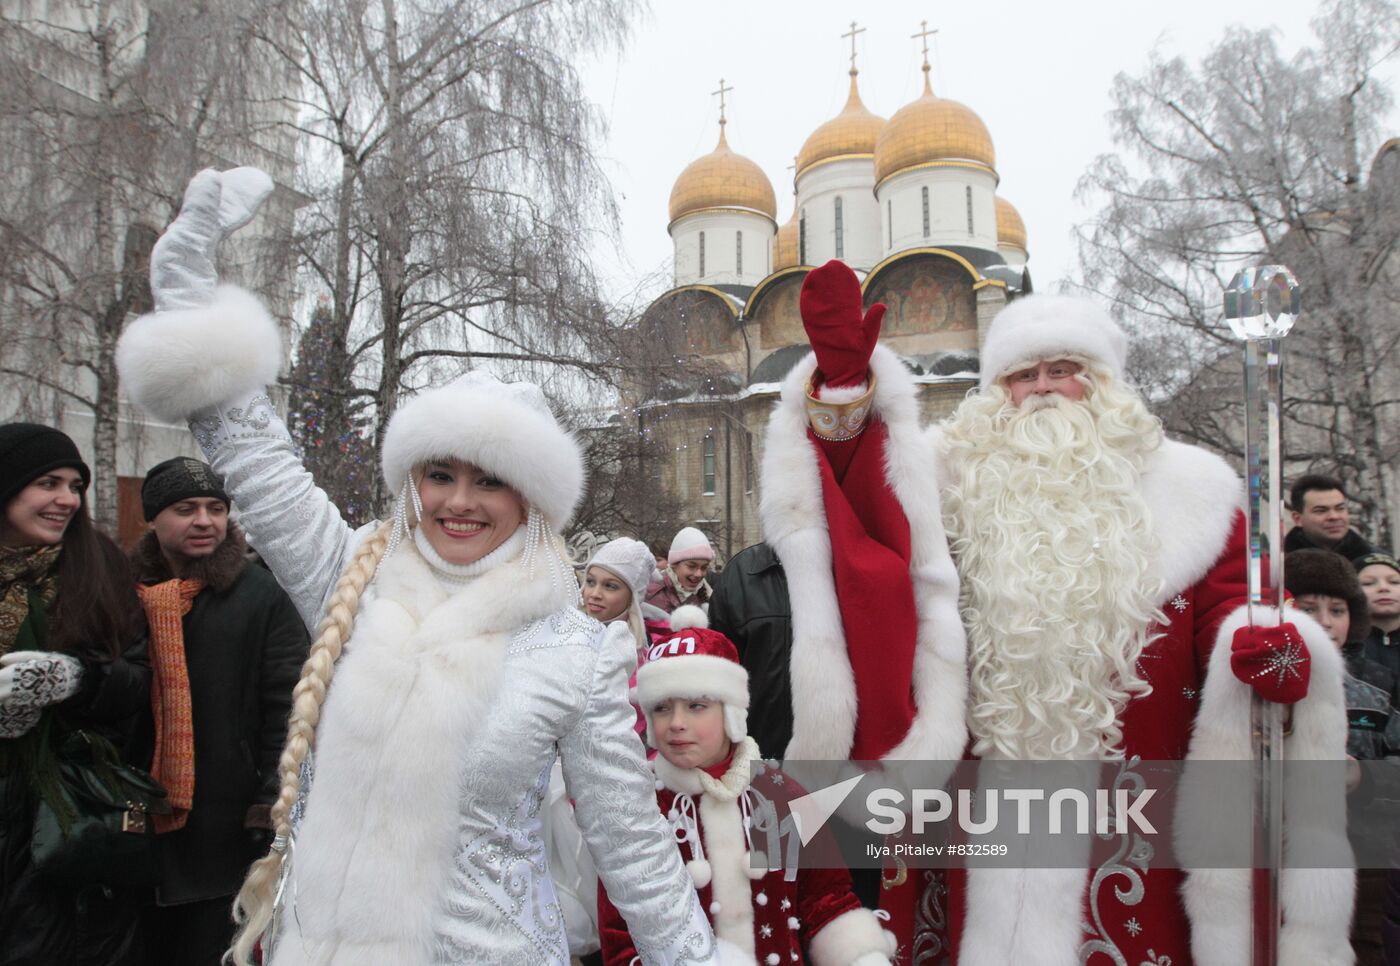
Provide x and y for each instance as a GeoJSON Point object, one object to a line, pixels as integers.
{"type": "Point", "coordinates": [451, 666]}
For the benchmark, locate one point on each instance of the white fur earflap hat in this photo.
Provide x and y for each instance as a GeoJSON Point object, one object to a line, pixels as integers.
{"type": "Point", "coordinates": [631, 560]}
{"type": "Point", "coordinates": [1043, 327]}
{"type": "Point", "coordinates": [504, 428]}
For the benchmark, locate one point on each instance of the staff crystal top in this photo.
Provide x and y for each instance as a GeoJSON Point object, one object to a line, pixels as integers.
{"type": "Point", "coordinates": [1262, 303]}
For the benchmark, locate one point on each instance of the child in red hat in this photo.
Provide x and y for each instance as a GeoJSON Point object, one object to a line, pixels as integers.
{"type": "Point", "coordinates": [695, 695]}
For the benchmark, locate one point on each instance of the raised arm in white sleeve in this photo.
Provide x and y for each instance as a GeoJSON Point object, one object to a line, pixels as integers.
{"type": "Point", "coordinates": [615, 803]}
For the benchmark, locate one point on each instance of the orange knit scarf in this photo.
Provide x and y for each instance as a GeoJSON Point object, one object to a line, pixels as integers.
{"type": "Point", "coordinates": [173, 765]}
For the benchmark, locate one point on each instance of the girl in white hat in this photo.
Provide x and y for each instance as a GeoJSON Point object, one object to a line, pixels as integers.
{"type": "Point", "coordinates": [683, 581]}
{"type": "Point", "coordinates": [614, 581]}
{"type": "Point", "coordinates": [451, 666]}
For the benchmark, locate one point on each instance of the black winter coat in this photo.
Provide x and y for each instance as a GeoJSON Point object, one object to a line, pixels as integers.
{"type": "Point", "coordinates": [750, 606]}
{"type": "Point", "coordinates": [45, 925]}
{"type": "Point", "coordinates": [244, 647]}
{"type": "Point", "coordinates": [1351, 546]}
{"type": "Point", "coordinates": [1384, 649]}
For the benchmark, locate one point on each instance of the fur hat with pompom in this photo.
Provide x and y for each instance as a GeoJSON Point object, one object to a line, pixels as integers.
{"type": "Point", "coordinates": [695, 662]}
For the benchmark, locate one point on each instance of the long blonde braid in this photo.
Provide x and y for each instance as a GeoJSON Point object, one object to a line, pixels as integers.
{"type": "Point", "coordinates": [253, 907]}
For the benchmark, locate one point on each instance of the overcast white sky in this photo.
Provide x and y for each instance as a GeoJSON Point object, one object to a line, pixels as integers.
{"type": "Point", "coordinates": [1038, 73]}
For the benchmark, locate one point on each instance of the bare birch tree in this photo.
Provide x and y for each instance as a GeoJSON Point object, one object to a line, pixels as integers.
{"type": "Point", "coordinates": [1252, 157]}
{"type": "Point", "coordinates": [456, 192]}
{"type": "Point", "coordinates": [107, 108]}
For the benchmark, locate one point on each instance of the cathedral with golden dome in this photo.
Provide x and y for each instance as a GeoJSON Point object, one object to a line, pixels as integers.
{"type": "Point", "coordinates": [910, 202]}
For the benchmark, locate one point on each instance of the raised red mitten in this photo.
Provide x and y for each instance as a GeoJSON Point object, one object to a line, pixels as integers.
{"type": "Point", "coordinates": [842, 337]}
{"type": "Point", "coordinates": [1274, 661]}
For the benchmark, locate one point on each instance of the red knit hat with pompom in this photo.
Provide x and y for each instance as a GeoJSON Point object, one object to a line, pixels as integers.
{"type": "Point", "coordinates": [695, 662]}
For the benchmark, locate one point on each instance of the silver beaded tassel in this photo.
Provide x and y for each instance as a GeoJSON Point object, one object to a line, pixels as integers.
{"type": "Point", "coordinates": [537, 537]}
{"type": "Point", "coordinates": [407, 495]}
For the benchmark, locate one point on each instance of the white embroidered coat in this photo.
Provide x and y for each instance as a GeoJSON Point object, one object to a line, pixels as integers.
{"type": "Point", "coordinates": [418, 835]}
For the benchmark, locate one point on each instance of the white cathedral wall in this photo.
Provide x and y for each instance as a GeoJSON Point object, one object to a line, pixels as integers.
{"type": "Point", "coordinates": [727, 261]}
{"type": "Point", "coordinates": [853, 181]}
{"type": "Point", "coordinates": [901, 204]}
{"type": "Point", "coordinates": [1012, 255]}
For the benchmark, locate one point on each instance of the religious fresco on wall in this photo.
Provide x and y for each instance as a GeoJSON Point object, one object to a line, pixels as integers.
{"type": "Point", "coordinates": [690, 323]}
{"type": "Point", "coordinates": [925, 293]}
{"type": "Point", "coordinates": [777, 315]}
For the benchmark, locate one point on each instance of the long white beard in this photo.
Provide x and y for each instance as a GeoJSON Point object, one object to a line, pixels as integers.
{"type": "Point", "coordinates": [1054, 546]}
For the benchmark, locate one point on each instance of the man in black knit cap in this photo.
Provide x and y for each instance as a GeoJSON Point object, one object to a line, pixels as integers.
{"type": "Point", "coordinates": [226, 649]}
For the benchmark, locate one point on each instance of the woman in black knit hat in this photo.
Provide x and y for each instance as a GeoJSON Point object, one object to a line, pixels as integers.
{"type": "Point", "coordinates": [72, 655]}
{"type": "Point", "coordinates": [1324, 584]}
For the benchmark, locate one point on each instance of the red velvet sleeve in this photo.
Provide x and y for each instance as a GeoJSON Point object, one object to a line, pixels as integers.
{"type": "Point", "coordinates": [612, 931]}
{"type": "Point", "coordinates": [822, 895]}
{"type": "Point", "coordinates": [1223, 589]}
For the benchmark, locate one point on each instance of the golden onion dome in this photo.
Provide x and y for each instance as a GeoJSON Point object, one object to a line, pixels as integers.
{"type": "Point", "coordinates": [852, 133]}
{"type": "Point", "coordinates": [1011, 230]}
{"type": "Point", "coordinates": [723, 179]}
{"type": "Point", "coordinates": [932, 129]}
{"type": "Point", "coordinates": [786, 246]}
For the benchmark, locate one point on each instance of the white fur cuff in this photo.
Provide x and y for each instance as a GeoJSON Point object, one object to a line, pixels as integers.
{"type": "Point", "coordinates": [173, 364]}
{"type": "Point", "coordinates": [848, 937]}
{"type": "Point", "coordinates": [693, 676]}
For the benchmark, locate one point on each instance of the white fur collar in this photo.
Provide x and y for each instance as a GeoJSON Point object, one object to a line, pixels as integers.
{"type": "Point", "coordinates": [1193, 496]}
{"type": "Point", "coordinates": [794, 524]}
{"type": "Point", "coordinates": [417, 679]}
{"type": "Point", "coordinates": [694, 781]}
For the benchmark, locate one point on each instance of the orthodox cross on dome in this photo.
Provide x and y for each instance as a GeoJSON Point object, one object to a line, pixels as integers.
{"type": "Point", "coordinates": [924, 34]}
{"type": "Point", "coordinates": [852, 33]}
{"type": "Point", "coordinates": [721, 92]}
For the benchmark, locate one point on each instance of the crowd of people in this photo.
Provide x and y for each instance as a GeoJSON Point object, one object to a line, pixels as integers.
{"type": "Point", "coordinates": [438, 739]}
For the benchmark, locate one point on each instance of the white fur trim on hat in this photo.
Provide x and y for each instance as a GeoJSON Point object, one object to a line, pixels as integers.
{"type": "Point", "coordinates": [173, 364]}
{"type": "Point", "coordinates": [693, 676]}
{"type": "Point", "coordinates": [690, 544]}
{"type": "Point", "coordinates": [696, 676]}
{"type": "Point", "coordinates": [506, 429]}
{"type": "Point", "coordinates": [689, 615]}
{"type": "Point", "coordinates": [1043, 327]}
{"type": "Point", "coordinates": [629, 560]}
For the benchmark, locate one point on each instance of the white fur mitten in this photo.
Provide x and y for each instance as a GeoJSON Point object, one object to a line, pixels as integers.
{"type": "Point", "coordinates": [219, 333]}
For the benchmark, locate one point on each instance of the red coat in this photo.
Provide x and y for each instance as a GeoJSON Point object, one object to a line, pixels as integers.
{"type": "Point", "coordinates": [1124, 908]}
{"type": "Point", "coordinates": [1156, 727]}
{"type": "Point", "coordinates": [814, 918]}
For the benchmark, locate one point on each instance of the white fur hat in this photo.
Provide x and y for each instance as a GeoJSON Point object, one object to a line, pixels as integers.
{"type": "Point", "coordinates": [504, 428]}
{"type": "Point", "coordinates": [1042, 327]}
{"type": "Point", "coordinates": [631, 560]}
{"type": "Point", "coordinates": [690, 544]}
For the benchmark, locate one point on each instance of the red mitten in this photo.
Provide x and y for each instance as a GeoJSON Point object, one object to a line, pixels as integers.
{"type": "Point", "coordinates": [831, 313]}
{"type": "Point", "coordinates": [1274, 661]}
